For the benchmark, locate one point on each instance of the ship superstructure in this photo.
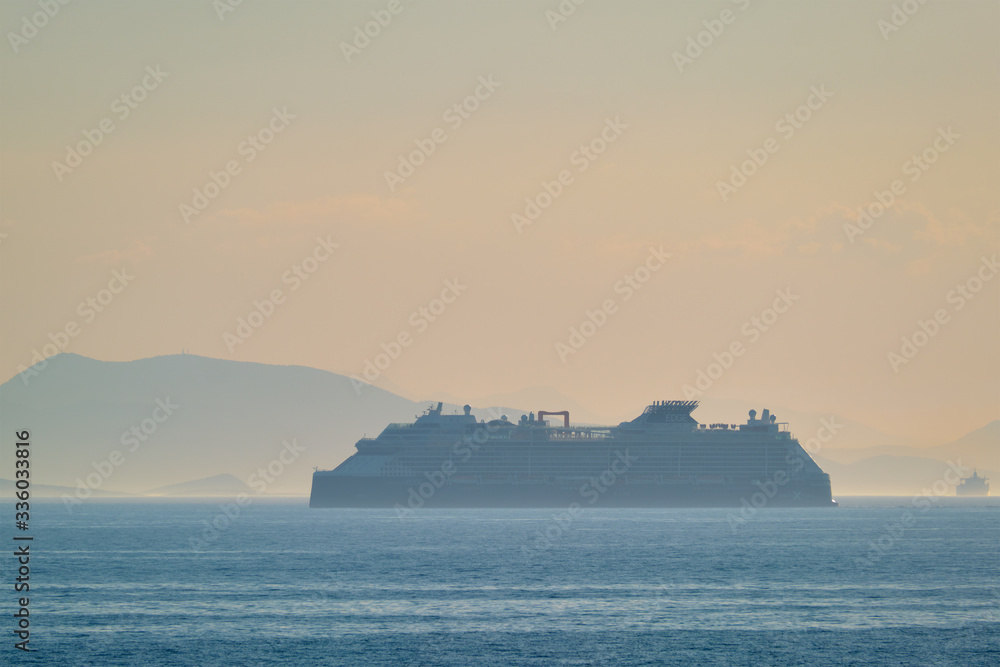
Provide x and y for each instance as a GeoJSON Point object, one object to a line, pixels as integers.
{"type": "Point", "coordinates": [973, 486]}
{"type": "Point", "coordinates": [663, 457]}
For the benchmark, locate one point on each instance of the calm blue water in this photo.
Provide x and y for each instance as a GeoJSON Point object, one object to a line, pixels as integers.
{"type": "Point", "coordinates": [124, 584]}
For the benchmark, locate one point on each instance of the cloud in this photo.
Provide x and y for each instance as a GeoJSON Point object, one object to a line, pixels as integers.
{"type": "Point", "coordinates": [357, 208]}
{"type": "Point", "coordinates": [883, 244]}
{"type": "Point", "coordinates": [133, 254]}
{"type": "Point", "coordinates": [956, 230]}
{"type": "Point", "coordinates": [911, 231]}
{"type": "Point", "coordinates": [755, 239]}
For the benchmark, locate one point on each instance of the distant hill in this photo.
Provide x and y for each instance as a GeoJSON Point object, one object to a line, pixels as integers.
{"type": "Point", "coordinates": [895, 475]}
{"type": "Point", "coordinates": [106, 424]}
{"type": "Point", "coordinates": [980, 449]}
{"type": "Point", "coordinates": [232, 418]}
{"type": "Point", "coordinates": [7, 490]}
{"type": "Point", "coordinates": [851, 441]}
{"type": "Point", "coordinates": [216, 485]}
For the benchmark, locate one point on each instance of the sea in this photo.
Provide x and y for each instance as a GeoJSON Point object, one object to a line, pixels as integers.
{"type": "Point", "coordinates": [876, 581]}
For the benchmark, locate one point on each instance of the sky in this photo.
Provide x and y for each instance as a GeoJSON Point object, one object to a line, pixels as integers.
{"type": "Point", "coordinates": [794, 203]}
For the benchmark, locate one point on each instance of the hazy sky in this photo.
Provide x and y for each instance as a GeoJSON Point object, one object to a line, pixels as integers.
{"type": "Point", "coordinates": [620, 102]}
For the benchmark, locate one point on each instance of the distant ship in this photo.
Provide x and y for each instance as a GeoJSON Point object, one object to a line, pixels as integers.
{"type": "Point", "coordinates": [662, 458]}
{"type": "Point", "coordinates": [973, 486]}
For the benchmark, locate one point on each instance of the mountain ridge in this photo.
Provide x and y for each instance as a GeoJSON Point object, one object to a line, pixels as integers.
{"type": "Point", "coordinates": [190, 417]}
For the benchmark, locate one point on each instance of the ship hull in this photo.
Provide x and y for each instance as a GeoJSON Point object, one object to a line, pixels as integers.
{"type": "Point", "coordinates": [981, 492]}
{"type": "Point", "coordinates": [662, 458]}
{"type": "Point", "coordinates": [414, 493]}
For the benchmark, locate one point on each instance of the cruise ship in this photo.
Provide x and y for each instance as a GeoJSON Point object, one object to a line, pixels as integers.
{"type": "Point", "coordinates": [662, 458]}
